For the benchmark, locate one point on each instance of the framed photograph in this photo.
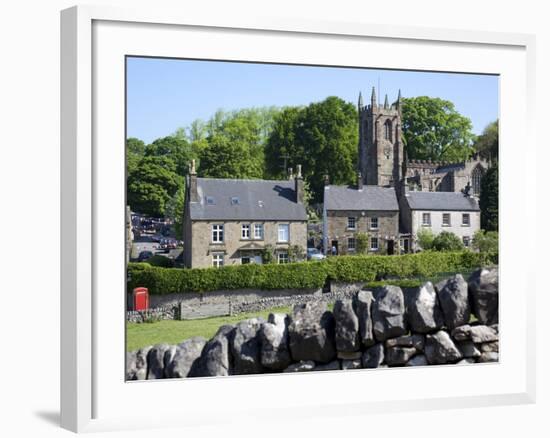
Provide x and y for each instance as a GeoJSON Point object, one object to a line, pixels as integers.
{"type": "Point", "coordinates": [252, 207]}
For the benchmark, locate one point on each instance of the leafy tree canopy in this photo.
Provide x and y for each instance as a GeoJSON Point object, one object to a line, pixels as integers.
{"type": "Point", "coordinates": [487, 143]}
{"type": "Point", "coordinates": [488, 199]}
{"type": "Point", "coordinates": [434, 130]}
{"type": "Point", "coordinates": [322, 137]}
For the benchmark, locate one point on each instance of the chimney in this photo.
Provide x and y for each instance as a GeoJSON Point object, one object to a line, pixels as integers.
{"type": "Point", "coordinates": [299, 185]}
{"type": "Point", "coordinates": [193, 188]}
{"type": "Point", "coordinates": [468, 190]}
{"type": "Point", "coordinates": [359, 181]}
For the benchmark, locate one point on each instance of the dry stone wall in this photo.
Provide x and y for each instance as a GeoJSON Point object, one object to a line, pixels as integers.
{"type": "Point", "coordinates": [384, 327]}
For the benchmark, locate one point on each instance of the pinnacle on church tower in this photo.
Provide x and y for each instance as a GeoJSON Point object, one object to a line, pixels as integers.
{"type": "Point", "coordinates": [373, 98]}
{"type": "Point", "coordinates": [386, 102]}
{"type": "Point", "coordinates": [360, 102]}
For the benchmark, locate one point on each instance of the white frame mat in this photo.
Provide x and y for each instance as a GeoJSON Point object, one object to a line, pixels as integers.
{"type": "Point", "coordinates": [94, 44]}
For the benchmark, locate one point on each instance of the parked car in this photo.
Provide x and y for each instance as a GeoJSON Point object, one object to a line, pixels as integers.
{"type": "Point", "coordinates": [315, 254]}
{"type": "Point", "coordinates": [144, 255]}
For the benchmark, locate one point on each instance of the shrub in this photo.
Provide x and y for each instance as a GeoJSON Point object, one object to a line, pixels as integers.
{"type": "Point", "coordinates": [486, 241]}
{"type": "Point", "coordinates": [305, 275]}
{"type": "Point", "coordinates": [361, 243]}
{"type": "Point", "coordinates": [446, 241]}
{"type": "Point", "coordinates": [296, 253]}
{"type": "Point", "coordinates": [425, 239]}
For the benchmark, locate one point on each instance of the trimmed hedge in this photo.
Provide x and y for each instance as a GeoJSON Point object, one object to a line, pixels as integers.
{"type": "Point", "coordinates": [304, 275]}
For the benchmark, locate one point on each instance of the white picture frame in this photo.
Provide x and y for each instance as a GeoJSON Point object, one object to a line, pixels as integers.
{"type": "Point", "coordinates": [94, 396]}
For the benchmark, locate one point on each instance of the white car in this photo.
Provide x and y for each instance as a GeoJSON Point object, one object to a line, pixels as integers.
{"type": "Point", "coordinates": [315, 254]}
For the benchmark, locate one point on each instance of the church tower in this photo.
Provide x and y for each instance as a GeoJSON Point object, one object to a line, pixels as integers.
{"type": "Point", "coordinates": [381, 153]}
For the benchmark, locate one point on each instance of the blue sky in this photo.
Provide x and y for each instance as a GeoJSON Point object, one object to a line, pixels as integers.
{"type": "Point", "coordinates": [165, 94]}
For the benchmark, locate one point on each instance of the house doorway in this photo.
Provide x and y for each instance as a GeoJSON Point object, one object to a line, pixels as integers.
{"type": "Point", "coordinates": [334, 247]}
{"type": "Point", "coordinates": [391, 247]}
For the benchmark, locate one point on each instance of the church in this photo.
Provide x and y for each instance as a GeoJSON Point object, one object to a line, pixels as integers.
{"type": "Point", "coordinates": [394, 198]}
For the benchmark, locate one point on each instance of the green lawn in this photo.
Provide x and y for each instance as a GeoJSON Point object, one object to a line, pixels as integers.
{"type": "Point", "coordinates": [174, 332]}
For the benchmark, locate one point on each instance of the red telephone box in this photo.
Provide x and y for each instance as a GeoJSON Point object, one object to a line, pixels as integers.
{"type": "Point", "coordinates": [141, 298]}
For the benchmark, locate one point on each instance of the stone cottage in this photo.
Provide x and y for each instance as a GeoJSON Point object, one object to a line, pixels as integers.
{"type": "Point", "coordinates": [235, 221]}
{"type": "Point", "coordinates": [457, 213]}
{"type": "Point", "coordinates": [349, 210]}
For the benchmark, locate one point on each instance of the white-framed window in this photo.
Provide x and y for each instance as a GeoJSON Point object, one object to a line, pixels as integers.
{"type": "Point", "coordinates": [258, 231]}
{"type": "Point", "coordinates": [426, 220]}
{"type": "Point", "coordinates": [351, 243]}
{"type": "Point", "coordinates": [446, 221]}
{"type": "Point", "coordinates": [283, 233]}
{"type": "Point", "coordinates": [217, 233]}
{"type": "Point", "coordinates": [374, 223]}
{"type": "Point", "coordinates": [217, 260]}
{"type": "Point", "coordinates": [466, 241]}
{"type": "Point", "coordinates": [374, 243]}
{"type": "Point", "coordinates": [282, 257]}
{"type": "Point", "coordinates": [245, 231]}
{"type": "Point", "coordinates": [352, 223]}
{"type": "Point", "coordinates": [465, 219]}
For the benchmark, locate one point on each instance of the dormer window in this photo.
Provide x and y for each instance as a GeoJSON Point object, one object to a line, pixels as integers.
{"type": "Point", "coordinates": [234, 200]}
{"type": "Point", "coordinates": [209, 200]}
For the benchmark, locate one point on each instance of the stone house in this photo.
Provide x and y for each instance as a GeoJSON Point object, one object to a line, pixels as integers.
{"type": "Point", "coordinates": [234, 221]}
{"type": "Point", "coordinates": [455, 212]}
{"type": "Point", "coordinates": [349, 210]}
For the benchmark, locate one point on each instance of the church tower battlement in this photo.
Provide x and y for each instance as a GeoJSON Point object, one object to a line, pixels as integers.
{"type": "Point", "coordinates": [381, 154]}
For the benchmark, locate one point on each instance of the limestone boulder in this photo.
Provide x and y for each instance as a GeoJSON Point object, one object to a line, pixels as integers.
{"type": "Point", "coordinates": [416, 341]}
{"type": "Point", "coordinates": [363, 305]}
{"type": "Point", "coordinates": [275, 355]}
{"type": "Point", "coordinates": [136, 364]}
{"type": "Point", "coordinates": [346, 326]}
{"type": "Point", "coordinates": [373, 357]}
{"type": "Point", "coordinates": [311, 333]}
{"type": "Point", "coordinates": [331, 366]}
{"type": "Point", "coordinates": [483, 333]}
{"type": "Point", "coordinates": [399, 355]}
{"type": "Point", "coordinates": [184, 357]}
{"type": "Point", "coordinates": [388, 313]}
{"type": "Point", "coordinates": [417, 361]}
{"type": "Point", "coordinates": [491, 356]}
{"type": "Point", "coordinates": [423, 312]}
{"type": "Point", "coordinates": [246, 347]}
{"type": "Point", "coordinates": [351, 364]}
{"type": "Point", "coordinates": [216, 357]}
{"type": "Point", "coordinates": [155, 361]}
{"type": "Point", "coordinates": [483, 287]}
{"type": "Point", "coordinates": [303, 365]}
{"type": "Point", "coordinates": [441, 349]}
{"type": "Point", "coordinates": [453, 298]}
{"type": "Point", "coordinates": [468, 349]}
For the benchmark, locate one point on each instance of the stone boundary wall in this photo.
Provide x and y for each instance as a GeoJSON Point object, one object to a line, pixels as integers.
{"type": "Point", "coordinates": [384, 327]}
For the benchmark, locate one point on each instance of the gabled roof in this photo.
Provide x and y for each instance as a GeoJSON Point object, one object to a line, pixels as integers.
{"type": "Point", "coordinates": [371, 198]}
{"type": "Point", "coordinates": [246, 199]}
{"type": "Point", "coordinates": [452, 201]}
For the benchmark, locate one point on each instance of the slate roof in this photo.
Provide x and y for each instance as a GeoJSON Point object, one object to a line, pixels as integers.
{"type": "Point", "coordinates": [257, 200]}
{"type": "Point", "coordinates": [372, 198]}
{"type": "Point", "coordinates": [455, 201]}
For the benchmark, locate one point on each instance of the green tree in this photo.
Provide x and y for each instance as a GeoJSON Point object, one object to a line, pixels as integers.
{"type": "Point", "coordinates": [434, 130]}
{"type": "Point", "coordinates": [172, 148]}
{"type": "Point", "coordinates": [361, 243]}
{"type": "Point", "coordinates": [151, 183]}
{"type": "Point", "coordinates": [135, 146]}
{"type": "Point", "coordinates": [322, 137]}
{"type": "Point", "coordinates": [488, 199]}
{"type": "Point", "coordinates": [485, 241]}
{"type": "Point", "coordinates": [487, 143]}
{"type": "Point", "coordinates": [425, 239]}
{"type": "Point", "coordinates": [447, 241]}
{"type": "Point", "coordinates": [174, 210]}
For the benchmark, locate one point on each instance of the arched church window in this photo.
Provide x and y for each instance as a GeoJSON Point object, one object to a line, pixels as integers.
{"type": "Point", "coordinates": [387, 130]}
{"type": "Point", "coordinates": [476, 180]}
